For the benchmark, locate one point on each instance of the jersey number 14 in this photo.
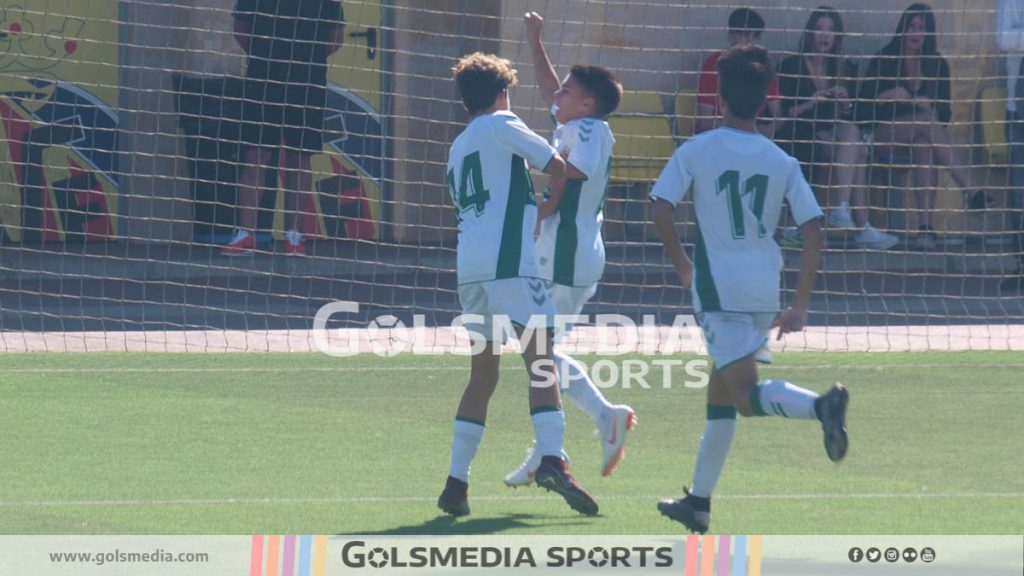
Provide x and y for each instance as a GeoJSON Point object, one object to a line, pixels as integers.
{"type": "Point", "coordinates": [470, 193]}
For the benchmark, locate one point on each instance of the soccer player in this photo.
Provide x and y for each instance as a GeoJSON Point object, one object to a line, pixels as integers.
{"type": "Point", "coordinates": [570, 246]}
{"type": "Point", "coordinates": [498, 275]}
{"type": "Point", "coordinates": [739, 180]}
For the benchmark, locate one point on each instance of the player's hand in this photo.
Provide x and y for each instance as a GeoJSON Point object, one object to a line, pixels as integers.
{"type": "Point", "coordinates": [534, 25]}
{"type": "Point", "coordinates": [840, 93]}
{"type": "Point", "coordinates": [791, 320]}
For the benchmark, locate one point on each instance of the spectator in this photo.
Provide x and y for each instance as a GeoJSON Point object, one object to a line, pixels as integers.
{"type": "Point", "coordinates": [287, 43]}
{"type": "Point", "coordinates": [1010, 28]}
{"type": "Point", "coordinates": [745, 27]}
{"type": "Point", "coordinates": [905, 95]}
{"type": "Point", "coordinates": [817, 86]}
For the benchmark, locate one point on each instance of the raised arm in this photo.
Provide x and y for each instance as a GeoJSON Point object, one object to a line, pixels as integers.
{"type": "Point", "coordinates": [547, 80]}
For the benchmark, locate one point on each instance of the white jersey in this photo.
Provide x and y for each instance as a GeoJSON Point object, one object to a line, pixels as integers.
{"type": "Point", "coordinates": [570, 245]}
{"type": "Point", "coordinates": [493, 194]}
{"type": "Point", "coordinates": [739, 181]}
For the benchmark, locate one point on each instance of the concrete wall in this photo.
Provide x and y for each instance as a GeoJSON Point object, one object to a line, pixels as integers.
{"type": "Point", "coordinates": [655, 45]}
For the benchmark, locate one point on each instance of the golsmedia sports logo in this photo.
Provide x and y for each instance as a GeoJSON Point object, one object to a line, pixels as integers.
{"type": "Point", "coordinates": [360, 554]}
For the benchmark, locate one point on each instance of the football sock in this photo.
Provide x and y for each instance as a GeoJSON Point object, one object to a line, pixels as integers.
{"type": "Point", "coordinates": [780, 398]}
{"type": "Point", "coordinates": [465, 441]}
{"type": "Point", "coordinates": [549, 429]}
{"type": "Point", "coordinates": [719, 431]}
{"type": "Point", "coordinates": [578, 387]}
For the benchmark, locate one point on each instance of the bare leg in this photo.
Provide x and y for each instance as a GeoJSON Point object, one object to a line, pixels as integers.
{"type": "Point", "coordinates": [915, 131]}
{"type": "Point", "coordinates": [925, 181]}
{"type": "Point", "coordinates": [544, 390]}
{"type": "Point", "coordinates": [483, 379]}
{"type": "Point", "coordinates": [298, 183]}
{"type": "Point", "coordinates": [250, 185]}
{"type": "Point", "coordinates": [848, 156]}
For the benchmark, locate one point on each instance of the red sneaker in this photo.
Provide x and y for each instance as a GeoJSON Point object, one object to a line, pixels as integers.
{"type": "Point", "coordinates": [243, 243]}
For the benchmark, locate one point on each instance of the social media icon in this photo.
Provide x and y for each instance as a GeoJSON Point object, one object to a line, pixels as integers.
{"type": "Point", "coordinates": [892, 555]}
{"type": "Point", "coordinates": [927, 555]}
{"type": "Point", "coordinates": [909, 555]}
{"type": "Point", "coordinates": [856, 555]}
{"type": "Point", "coordinates": [874, 555]}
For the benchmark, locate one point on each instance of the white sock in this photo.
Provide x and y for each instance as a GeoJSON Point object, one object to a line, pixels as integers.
{"type": "Point", "coordinates": [780, 398]}
{"type": "Point", "coordinates": [549, 429]}
{"type": "Point", "coordinates": [465, 441]}
{"type": "Point", "coordinates": [719, 431]}
{"type": "Point", "coordinates": [578, 387]}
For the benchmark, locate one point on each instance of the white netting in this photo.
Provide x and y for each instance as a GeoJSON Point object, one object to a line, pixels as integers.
{"type": "Point", "coordinates": [122, 144]}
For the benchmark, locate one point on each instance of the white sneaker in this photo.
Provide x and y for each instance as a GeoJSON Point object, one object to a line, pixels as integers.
{"type": "Point", "coordinates": [613, 437]}
{"type": "Point", "coordinates": [293, 243]}
{"type": "Point", "coordinates": [841, 217]}
{"type": "Point", "coordinates": [871, 237]}
{"type": "Point", "coordinates": [523, 476]}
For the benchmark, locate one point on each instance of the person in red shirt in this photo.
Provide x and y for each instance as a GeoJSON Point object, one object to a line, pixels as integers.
{"type": "Point", "coordinates": [745, 27]}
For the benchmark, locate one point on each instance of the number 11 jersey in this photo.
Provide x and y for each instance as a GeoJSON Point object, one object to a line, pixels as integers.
{"type": "Point", "coordinates": [739, 181]}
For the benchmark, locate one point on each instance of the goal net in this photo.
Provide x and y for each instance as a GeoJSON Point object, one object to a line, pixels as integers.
{"type": "Point", "coordinates": [129, 148]}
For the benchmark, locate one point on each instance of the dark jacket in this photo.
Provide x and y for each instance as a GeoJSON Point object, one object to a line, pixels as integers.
{"type": "Point", "coordinates": [886, 71]}
{"type": "Point", "coordinates": [796, 86]}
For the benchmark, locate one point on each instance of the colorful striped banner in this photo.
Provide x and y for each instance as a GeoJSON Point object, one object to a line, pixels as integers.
{"type": "Point", "coordinates": [289, 557]}
{"type": "Point", "coordinates": [692, 554]}
{"type": "Point", "coordinates": [724, 551]}
{"type": "Point", "coordinates": [735, 556]}
{"type": "Point", "coordinates": [707, 556]}
{"type": "Point", "coordinates": [721, 555]}
{"type": "Point", "coordinates": [311, 556]}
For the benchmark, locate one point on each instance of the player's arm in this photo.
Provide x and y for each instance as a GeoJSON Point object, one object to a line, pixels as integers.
{"type": "Point", "coordinates": [547, 80]}
{"type": "Point", "coordinates": [662, 213]}
{"type": "Point", "coordinates": [794, 318]}
{"type": "Point", "coordinates": [555, 167]}
{"type": "Point", "coordinates": [552, 199]}
{"type": "Point", "coordinates": [805, 209]}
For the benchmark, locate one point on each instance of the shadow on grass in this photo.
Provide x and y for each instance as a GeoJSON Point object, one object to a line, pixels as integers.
{"type": "Point", "coordinates": [449, 525]}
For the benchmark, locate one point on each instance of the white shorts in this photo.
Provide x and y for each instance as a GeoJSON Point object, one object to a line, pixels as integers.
{"type": "Point", "coordinates": [733, 336]}
{"type": "Point", "coordinates": [569, 301]}
{"type": "Point", "coordinates": [503, 304]}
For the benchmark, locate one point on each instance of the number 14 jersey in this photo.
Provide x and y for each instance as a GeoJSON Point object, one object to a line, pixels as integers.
{"type": "Point", "coordinates": [494, 198]}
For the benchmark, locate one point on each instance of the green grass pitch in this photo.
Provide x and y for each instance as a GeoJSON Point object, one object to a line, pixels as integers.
{"type": "Point", "coordinates": [307, 444]}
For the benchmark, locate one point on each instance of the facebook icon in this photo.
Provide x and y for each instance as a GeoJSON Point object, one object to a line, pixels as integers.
{"type": "Point", "coordinates": [856, 555]}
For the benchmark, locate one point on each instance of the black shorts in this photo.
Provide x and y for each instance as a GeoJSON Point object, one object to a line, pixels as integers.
{"type": "Point", "coordinates": [293, 117]}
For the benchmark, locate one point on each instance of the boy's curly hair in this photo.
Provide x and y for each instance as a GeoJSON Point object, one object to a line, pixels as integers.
{"type": "Point", "coordinates": [480, 78]}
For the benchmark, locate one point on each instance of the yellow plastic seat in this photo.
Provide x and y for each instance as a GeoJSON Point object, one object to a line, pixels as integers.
{"type": "Point", "coordinates": [643, 137]}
